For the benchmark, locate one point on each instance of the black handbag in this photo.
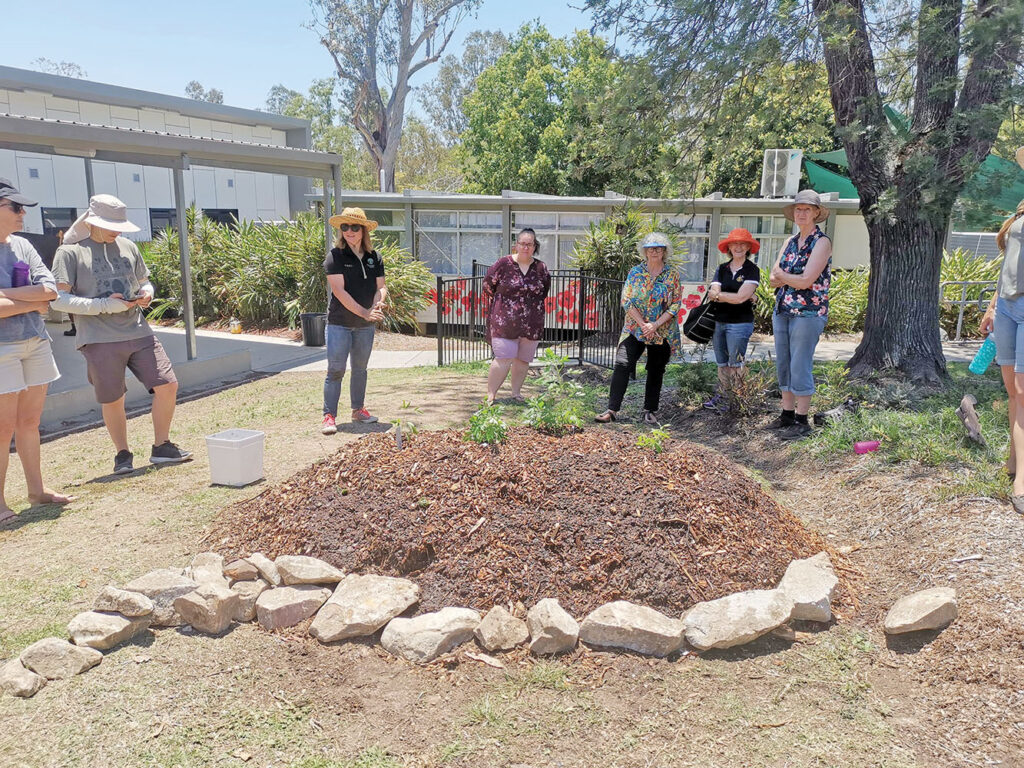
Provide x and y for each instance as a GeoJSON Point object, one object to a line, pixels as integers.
{"type": "Point", "coordinates": [699, 325]}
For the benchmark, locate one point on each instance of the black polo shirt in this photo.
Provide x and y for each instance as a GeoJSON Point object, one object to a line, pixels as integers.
{"type": "Point", "coordinates": [736, 313]}
{"type": "Point", "coordinates": [360, 283]}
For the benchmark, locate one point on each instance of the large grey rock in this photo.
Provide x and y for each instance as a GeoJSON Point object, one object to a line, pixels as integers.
{"type": "Point", "coordinates": [927, 609]}
{"type": "Point", "coordinates": [299, 569]}
{"type": "Point", "coordinates": [810, 584]}
{"type": "Point", "coordinates": [209, 609]}
{"type": "Point", "coordinates": [130, 604]}
{"type": "Point", "coordinates": [266, 568]}
{"type": "Point", "coordinates": [736, 619]}
{"type": "Point", "coordinates": [103, 631]}
{"type": "Point", "coordinates": [163, 586]}
{"type": "Point", "coordinates": [241, 570]}
{"type": "Point", "coordinates": [56, 659]}
{"type": "Point", "coordinates": [634, 627]}
{"type": "Point", "coordinates": [425, 637]}
{"type": "Point", "coordinates": [287, 606]}
{"type": "Point", "coordinates": [207, 568]}
{"type": "Point", "coordinates": [552, 629]}
{"type": "Point", "coordinates": [18, 681]}
{"type": "Point", "coordinates": [361, 605]}
{"type": "Point", "coordinates": [248, 593]}
{"type": "Point", "coordinates": [501, 631]}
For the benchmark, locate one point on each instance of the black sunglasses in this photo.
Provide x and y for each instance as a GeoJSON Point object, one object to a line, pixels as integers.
{"type": "Point", "coordinates": [352, 227]}
{"type": "Point", "coordinates": [15, 207]}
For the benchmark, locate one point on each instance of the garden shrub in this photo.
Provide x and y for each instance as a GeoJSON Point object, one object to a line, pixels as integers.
{"type": "Point", "coordinates": [609, 249]}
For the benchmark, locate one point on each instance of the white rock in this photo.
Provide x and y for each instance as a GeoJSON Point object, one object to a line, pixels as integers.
{"type": "Point", "coordinates": [266, 568]}
{"type": "Point", "coordinates": [56, 659]}
{"type": "Point", "coordinates": [163, 586]}
{"type": "Point", "coordinates": [209, 609]}
{"type": "Point", "coordinates": [299, 569]}
{"type": "Point", "coordinates": [361, 605]}
{"type": "Point", "coordinates": [18, 681]}
{"type": "Point", "coordinates": [425, 637]}
{"type": "Point", "coordinates": [927, 609]}
{"type": "Point", "coordinates": [501, 631]}
{"type": "Point", "coordinates": [287, 606]}
{"type": "Point", "coordinates": [552, 629]}
{"type": "Point", "coordinates": [248, 593]}
{"type": "Point", "coordinates": [241, 570]}
{"type": "Point", "coordinates": [810, 584]}
{"type": "Point", "coordinates": [736, 619]}
{"type": "Point", "coordinates": [634, 627]}
{"type": "Point", "coordinates": [131, 604]}
{"type": "Point", "coordinates": [103, 631]}
{"type": "Point", "coordinates": [207, 568]}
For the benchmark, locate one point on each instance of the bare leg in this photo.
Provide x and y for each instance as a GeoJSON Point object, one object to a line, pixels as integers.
{"type": "Point", "coordinates": [8, 421]}
{"type": "Point", "coordinates": [26, 438]}
{"type": "Point", "coordinates": [496, 377]}
{"type": "Point", "coordinates": [1011, 408]}
{"type": "Point", "coordinates": [164, 399]}
{"type": "Point", "coordinates": [789, 401]}
{"type": "Point", "coordinates": [519, 371]}
{"type": "Point", "coordinates": [116, 423]}
{"type": "Point", "coordinates": [1018, 433]}
{"type": "Point", "coordinates": [803, 404]}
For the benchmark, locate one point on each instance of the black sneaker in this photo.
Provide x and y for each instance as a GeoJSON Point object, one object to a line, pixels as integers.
{"type": "Point", "coordinates": [123, 463]}
{"type": "Point", "coordinates": [779, 422]}
{"type": "Point", "coordinates": [795, 431]}
{"type": "Point", "coordinates": [169, 453]}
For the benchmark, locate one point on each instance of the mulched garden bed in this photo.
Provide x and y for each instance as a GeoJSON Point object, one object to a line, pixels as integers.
{"type": "Point", "coordinates": [586, 518]}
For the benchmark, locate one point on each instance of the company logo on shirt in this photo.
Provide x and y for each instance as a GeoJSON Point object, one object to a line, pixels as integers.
{"type": "Point", "coordinates": [369, 261]}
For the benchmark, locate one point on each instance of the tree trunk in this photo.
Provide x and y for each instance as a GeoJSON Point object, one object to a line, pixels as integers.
{"type": "Point", "coordinates": [901, 329]}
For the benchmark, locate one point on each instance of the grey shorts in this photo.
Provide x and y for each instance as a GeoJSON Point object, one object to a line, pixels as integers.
{"type": "Point", "coordinates": [106, 362]}
{"type": "Point", "coordinates": [25, 364]}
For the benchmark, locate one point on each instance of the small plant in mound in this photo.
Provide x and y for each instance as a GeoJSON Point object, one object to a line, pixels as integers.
{"type": "Point", "coordinates": [403, 426]}
{"type": "Point", "coordinates": [487, 426]}
{"type": "Point", "coordinates": [748, 396]}
{"type": "Point", "coordinates": [560, 407]}
{"type": "Point", "coordinates": [695, 383]}
{"type": "Point", "coordinates": [655, 440]}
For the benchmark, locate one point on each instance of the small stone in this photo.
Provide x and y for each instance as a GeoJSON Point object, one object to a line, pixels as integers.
{"type": "Point", "coordinates": [207, 568]}
{"type": "Point", "coordinates": [56, 659]}
{"type": "Point", "coordinates": [18, 681]}
{"type": "Point", "coordinates": [736, 619]}
{"type": "Point", "coordinates": [248, 593]}
{"type": "Point", "coordinates": [811, 584]}
{"type": "Point", "coordinates": [622, 624]}
{"type": "Point", "coordinates": [163, 586]}
{"type": "Point", "coordinates": [241, 570]}
{"type": "Point", "coordinates": [209, 609]}
{"type": "Point", "coordinates": [361, 605]}
{"type": "Point", "coordinates": [928, 609]}
{"type": "Point", "coordinates": [266, 568]}
{"type": "Point", "coordinates": [130, 604]}
{"type": "Point", "coordinates": [103, 631]}
{"type": "Point", "coordinates": [287, 606]}
{"type": "Point", "coordinates": [501, 631]}
{"type": "Point", "coordinates": [552, 629]}
{"type": "Point", "coordinates": [425, 637]}
{"type": "Point", "coordinates": [299, 569]}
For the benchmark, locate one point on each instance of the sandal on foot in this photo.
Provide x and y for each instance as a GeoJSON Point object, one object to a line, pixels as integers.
{"type": "Point", "coordinates": [605, 417]}
{"type": "Point", "coordinates": [1018, 504]}
{"type": "Point", "coordinates": [7, 515]}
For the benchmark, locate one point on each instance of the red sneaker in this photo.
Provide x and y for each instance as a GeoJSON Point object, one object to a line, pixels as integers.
{"type": "Point", "coordinates": [363, 416]}
{"type": "Point", "coordinates": [327, 426]}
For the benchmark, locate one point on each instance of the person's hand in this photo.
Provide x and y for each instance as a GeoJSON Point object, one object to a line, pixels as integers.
{"type": "Point", "coordinates": [144, 299]}
{"type": "Point", "coordinates": [714, 293]}
{"type": "Point", "coordinates": [42, 307]}
{"type": "Point", "coordinates": [373, 314]}
{"type": "Point", "coordinates": [988, 322]}
{"type": "Point", "coordinates": [649, 330]}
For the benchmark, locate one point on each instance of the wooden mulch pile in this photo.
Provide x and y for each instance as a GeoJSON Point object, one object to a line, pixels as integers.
{"type": "Point", "coordinates": [586, 518]}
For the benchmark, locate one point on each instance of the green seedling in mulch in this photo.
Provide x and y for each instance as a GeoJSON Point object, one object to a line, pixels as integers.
{"type": "Point", "coordinates": [560, 407]}
{"type": "Point", "coordinates": [655, 440]}
{"type": "Point", "coordinates": [487, 426]}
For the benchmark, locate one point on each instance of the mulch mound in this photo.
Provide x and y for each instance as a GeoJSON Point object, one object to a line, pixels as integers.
{"type": "Point", "coordinates": [587, 518]}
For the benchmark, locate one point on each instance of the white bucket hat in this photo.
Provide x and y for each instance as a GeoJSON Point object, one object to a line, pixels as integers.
{"type": "Point", "coordinates": [655, 240]}
{"type": "Point", "coordinates": [106, 212]}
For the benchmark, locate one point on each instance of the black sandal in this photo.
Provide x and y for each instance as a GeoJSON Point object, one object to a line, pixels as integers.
{"type": "Point", "coordinates": [605, 417]}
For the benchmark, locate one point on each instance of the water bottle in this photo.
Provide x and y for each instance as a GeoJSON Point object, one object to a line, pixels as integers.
{"type": "Point", "coordinates": [985, 356]}
{"type": "Point", "coordinates": [19, 275]}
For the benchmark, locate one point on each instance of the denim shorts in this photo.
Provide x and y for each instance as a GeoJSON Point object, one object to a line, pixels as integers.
{"type": "Point", "coordinates": [1009, 332]}
{"type": "Point", "coordinates": [730, 343]}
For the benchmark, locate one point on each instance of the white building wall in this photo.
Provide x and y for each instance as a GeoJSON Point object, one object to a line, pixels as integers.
{"type": "Point", "coordinates": [850, 245]}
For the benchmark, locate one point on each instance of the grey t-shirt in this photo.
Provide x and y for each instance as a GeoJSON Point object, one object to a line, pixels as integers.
{"type": "Point", "coordinates": [97, 270]}
{"type": "Point", "coordinates": [25, 326]}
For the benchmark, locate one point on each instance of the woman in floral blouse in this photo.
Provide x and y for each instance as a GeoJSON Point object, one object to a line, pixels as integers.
{"type": "Point", "coordinates": [518, 283]}
{"type": "Point", "coordinates": [651, 299]}
{"type": "Point", "coordinates": [801, 280]}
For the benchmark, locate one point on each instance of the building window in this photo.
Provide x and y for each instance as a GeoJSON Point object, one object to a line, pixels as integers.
{"type": "Point", "coordinates": [231, 182]}
{"type": "Point", "coordinates": [57, 220]}
{"type": "Point", "coordinates": [227, 217]}
{"type": "Point", "coordinates": [448, 242]}
{"type": "Point", "coordinates": [557, 233]}
{"type": "Point", "coordinates": [695, 234]}
{"type": "Point", "coordinates": [771, 231]}
{"type": "Point", "coordinates": [161, 219]}
{"type": "Point", "coordinates": [137, 177]}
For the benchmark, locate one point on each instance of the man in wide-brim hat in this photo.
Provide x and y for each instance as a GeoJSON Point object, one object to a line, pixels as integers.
{"type": "Point", "coordinates": [105, 283]}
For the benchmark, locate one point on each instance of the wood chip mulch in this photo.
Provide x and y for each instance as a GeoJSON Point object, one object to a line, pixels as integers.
{"type": "Point", "coordinates": [587, 518]}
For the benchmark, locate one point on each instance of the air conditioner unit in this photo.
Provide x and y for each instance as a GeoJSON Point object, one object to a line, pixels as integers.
{"type": "Point", "coordinates": [780, 175]}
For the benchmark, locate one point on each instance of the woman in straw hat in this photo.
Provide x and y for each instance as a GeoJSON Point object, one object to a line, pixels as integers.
{"type": "Point", "coordinates": [801, 279]}
{"type": "Point", "coordinates": [651, 299]}
{"type": "Point", "coordinates": [355, 273]}
{"type": "Point", "coordinates": [733, 288]}
{"type": "Point", "coordinates": [1005, 315]}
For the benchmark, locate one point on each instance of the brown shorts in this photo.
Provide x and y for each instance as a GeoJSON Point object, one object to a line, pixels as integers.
{"type": "Point", "coordinates": [106, 362]}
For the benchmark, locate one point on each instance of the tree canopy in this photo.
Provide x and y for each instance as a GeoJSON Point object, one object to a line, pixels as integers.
{"type": "Point", "coordinates": [195, 90]}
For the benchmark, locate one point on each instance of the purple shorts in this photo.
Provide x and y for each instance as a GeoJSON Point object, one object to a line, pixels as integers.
{"type": "Point", "coordinates": [520, 349]}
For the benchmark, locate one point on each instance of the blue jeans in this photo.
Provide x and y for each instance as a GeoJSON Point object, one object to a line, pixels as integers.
{"type": "Point", "coordinates": [343, 343]}
{"type": "Point", "coordinates": [730, 342]}
{"type": "Point", "coordinates": [795, 340]}
{"type": "Point", "coordinates": [1009, 332]}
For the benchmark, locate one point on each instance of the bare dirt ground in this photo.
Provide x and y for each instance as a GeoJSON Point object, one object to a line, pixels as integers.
{"type": "Point", "coordinates": [836, 696]}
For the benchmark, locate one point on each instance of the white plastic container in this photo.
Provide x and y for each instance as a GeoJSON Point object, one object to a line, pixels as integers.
{"type": "Point", "coordinates": [236, 456]}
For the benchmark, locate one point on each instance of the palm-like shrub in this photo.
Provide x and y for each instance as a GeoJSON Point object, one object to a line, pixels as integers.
{"type": "Point", "coordinates": [609, 249]}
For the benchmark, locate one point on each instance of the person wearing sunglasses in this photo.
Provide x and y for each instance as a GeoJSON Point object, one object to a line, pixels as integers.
{"type": "Point", "coordinates": [355, 274]}
{"type": "Point", "coordinates": [26, 361]}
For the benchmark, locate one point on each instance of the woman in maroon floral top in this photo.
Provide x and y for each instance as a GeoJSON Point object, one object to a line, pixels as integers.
{"type": "Point", "coordinates": [519, 284]}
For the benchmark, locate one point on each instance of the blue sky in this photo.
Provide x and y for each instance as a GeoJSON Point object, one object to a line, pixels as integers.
{"type": "Point", "coordinates": [241, 48]}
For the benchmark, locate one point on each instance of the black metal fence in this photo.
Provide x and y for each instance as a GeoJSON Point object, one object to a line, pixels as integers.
{"type": "Point", "coordinates": [583, 317]}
